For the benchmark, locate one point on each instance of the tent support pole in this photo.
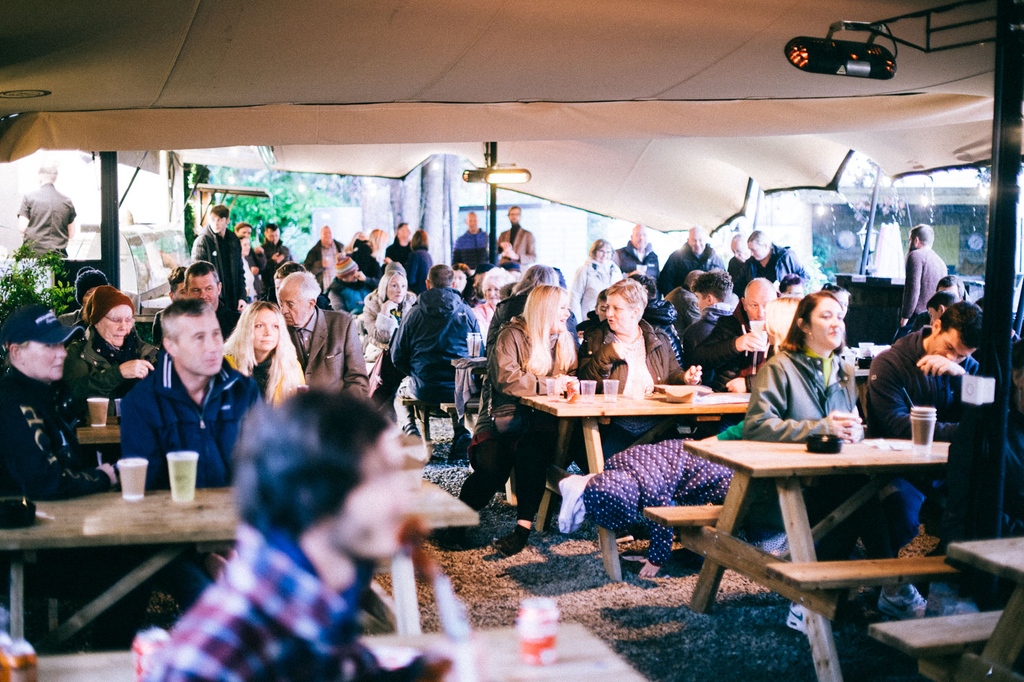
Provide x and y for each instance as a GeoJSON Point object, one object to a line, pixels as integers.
{"type": "Point", "coordinates": [871, 221]}
{"type": "Point", "coordinates": [110, 253]}
{"type": "Point", "coordinates": [491, 158]}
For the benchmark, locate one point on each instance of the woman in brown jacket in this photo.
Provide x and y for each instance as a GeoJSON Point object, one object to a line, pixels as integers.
{"type": "Point", "coordinates": [627, 348]}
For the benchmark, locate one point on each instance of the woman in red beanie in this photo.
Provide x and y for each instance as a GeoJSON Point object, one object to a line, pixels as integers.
{"type": "Point", "coordinates": [111, 358]}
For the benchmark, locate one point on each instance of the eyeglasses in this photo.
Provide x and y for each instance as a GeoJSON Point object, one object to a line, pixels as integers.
{"type": "Point", "coordinates": [118, 321]}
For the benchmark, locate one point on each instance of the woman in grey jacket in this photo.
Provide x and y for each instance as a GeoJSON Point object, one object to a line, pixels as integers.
{"type": "Point", "coordinates": [807, 390]}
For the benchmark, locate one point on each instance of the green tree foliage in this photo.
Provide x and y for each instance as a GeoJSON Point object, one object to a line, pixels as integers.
{"type": "Point", "coordinates": [28, 279]}
{"type": "Point", "coordinates": [194, 174]}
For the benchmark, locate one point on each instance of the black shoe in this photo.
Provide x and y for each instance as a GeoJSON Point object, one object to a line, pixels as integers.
{"type": "Point", "coordinates": [450, 539]}
{"type": "Point", "coordinates": [411, 430]}
{"type": "Point", "coordinates": [514, 542]}
{"type": "Point", "coordinates": [460, 447]}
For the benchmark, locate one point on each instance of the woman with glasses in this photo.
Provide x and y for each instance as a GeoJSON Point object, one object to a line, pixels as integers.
{"type": "Point", "coordinates": [593, 277]}
{"type": "Point", "coordinates": [111, 358]}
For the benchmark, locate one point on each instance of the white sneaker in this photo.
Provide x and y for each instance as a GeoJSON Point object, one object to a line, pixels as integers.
{"type": "Point", "coordinates": [570, 517]}
{"type": "Point", "coordinates": [795, 619]}
{"type": "Point", "coordinates": [906, 604]}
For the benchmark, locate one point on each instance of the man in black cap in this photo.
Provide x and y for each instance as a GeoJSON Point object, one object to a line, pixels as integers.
{"type": "Point", "coordinates": [39, 454]}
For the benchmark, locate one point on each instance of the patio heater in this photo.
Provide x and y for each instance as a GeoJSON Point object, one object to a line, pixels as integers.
{"type": "Point", "coordinates": [495, 174]}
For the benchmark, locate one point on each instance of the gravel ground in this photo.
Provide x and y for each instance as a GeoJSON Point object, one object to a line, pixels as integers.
{"type": "Point", "coordinates": [646, 621]}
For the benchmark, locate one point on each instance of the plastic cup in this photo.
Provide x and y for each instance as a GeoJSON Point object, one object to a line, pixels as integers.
{"type": "Point", "coordinates": [181, 467]}
{"type": "Point", "coordinates": [588, 389]}
{"type": "Point", "coordinates": [473, 344]}
{"type": "Point", "coordinates": [117, 407]}
{"type": "Point", "coordinates": [537, 625]}
{"type": "Point", "coordinates": [611, 390]}
{"type": "Point", "coordinates": [133, 478]}
{"type": "Point", "coordinates": [98, 411]}
{"type": "Point", "coordinates": [922, 429]}
{"type": "Point", "coordinates": [551, 387]}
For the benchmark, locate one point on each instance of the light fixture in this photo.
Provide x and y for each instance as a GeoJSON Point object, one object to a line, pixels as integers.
{"type": "Point", "coordinates": [502, 174]}
{"type": "Point", "coordinates": [24, 94]}
{"type": "Point", "coordinates": [844, 57]}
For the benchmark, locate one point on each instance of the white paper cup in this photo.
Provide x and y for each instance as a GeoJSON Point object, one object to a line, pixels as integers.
{"type": "Point", "coordinates": [181, 467]}
{"type": "Point", "coordinates": [611, 390]}
{"type": "Point", "coordinates": [587, 390]}
{"type": "Point", "coordinates": [98, 411]}
{"type": "Point", "coordinates": [133, 477]}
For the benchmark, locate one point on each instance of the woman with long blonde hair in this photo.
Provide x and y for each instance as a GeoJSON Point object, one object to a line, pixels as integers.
{"type": "Point", "coordinates": [530, 349]}
{"type": "Point", "coordinates": [261, 348]}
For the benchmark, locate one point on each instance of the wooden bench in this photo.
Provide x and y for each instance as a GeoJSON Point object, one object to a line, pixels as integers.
{"type": "Point", "coordinates": [469, 418]}
{"type": "Point", "coordinates": [836, 575]}
{"type": "Point", "coordinates": [421, 412]}
{"type": "Point", "coordinates": [938, 643]}
{"type": "Point", "coordinates": [684, 517]}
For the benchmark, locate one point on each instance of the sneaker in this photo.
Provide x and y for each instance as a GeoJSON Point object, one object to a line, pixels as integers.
{"type": "Point", "coordinates": [795, 620]}
{"type": "Point", "coordinates": [411, 430]}
{"type": "Point", "coordinates": [906, 604]}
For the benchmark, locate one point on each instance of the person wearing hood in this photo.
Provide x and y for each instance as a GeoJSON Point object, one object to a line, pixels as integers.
{"type": "Point", "coordinates": [768, 260]}
{"type": "Point", "coordinates": [431, 335]}
{"type": "Point", "coordinates": [661, 314]}
{"type": "Point", "coordinates": [86, 282]}
{"type": "Point", "coordinates": [593, 277]}
{"type": "Point", "coordinates": [638, 257]}
{"type": "Point", "coordinates": [695, 254]}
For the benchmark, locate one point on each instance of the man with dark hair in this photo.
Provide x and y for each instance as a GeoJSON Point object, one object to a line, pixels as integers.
{"type": "Point", "coordinates": [733, 351]}
{"type": "Point", "coordinates": [792, 285]}
{"type": "Point", "coordinates": [638, 257]}
{"type": "Point", "coordinates": [430, 336]}
{"type": "Point", "coordinates": [327, 341]}
{"type": "Point", "coordinates": [660, 314]}
{"type": "Point", "coordinates": [39, 452]}
{"type": "Point", "coordinates": [768, 260]}
{"type": "Point", "coordinates": [275, 254]}
{"type": "Point", "coordinates": [220, 247]}
{"type": "Point", "coordinates": [321, 503]}
{"type": "Point", "coordinates": [924, 270]}
{"type": "Point", "coordinates": [695, 254]}
{"type": "Point", "coordinates": [712, 290]}
{"type": "Point", "coordinates": [202, 282]}
{"type": "Point", "coordinates": [46, 218]}
{"type": "Point", "coordinates": [401, 248]}
{"type": "Point", "coordinates": [471, 247]}
{"type": "Point", "coordinates": [192, 400]}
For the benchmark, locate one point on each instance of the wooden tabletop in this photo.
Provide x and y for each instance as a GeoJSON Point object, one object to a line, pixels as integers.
{"type": "Point", "coordinates": [655, 406]}
{"type": "Point", "coordinates": [581, 656]}
{"type": "Point", "coordinates": [99, 435]}
{"type": "Point", "coordinates": [774, 460]}
{"type": "Point", "coordinates": [1003, 557]}
{"type": "Point", "coordinates": [439, 509]}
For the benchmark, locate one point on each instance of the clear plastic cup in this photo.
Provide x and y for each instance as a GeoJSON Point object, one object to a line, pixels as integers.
{"type": "Point", "coordinates": [551, 387]}
{"type": "Point", "coordinates": [133, 477]}
{"type": "Point", "coordinates": [588, 389]}
{"type": "Point", "coordinates": [610, 387]}
{"type": "Point", "coordinates": [181, 467]}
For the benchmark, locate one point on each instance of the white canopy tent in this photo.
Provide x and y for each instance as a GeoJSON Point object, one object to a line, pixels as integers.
{"type": "Point", "coordinates": [651, 111]}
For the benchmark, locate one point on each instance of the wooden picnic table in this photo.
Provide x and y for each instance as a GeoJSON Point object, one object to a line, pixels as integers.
{"type": "Point", "coordinates": [207, 523]}
{"type": "Point", "coordinates": [785, 466]}
{"type": "Point", "coordinates": [101, 435]}
{"type": "Point", "coordinates": [591, 414]}
{"type": "Point", "coordinates": [581, 656]}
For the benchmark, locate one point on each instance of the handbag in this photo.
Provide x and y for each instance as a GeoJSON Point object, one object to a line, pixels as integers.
{"type": "Point", "coordinates": [511, 420]}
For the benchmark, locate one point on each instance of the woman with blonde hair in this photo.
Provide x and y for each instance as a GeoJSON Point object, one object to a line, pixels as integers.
{"type": "Point", "coordinates": [593, 277]}
{"type": "Point", "coordinates": [530, 349]}
{"type": "Point", "coordinates": [778, 318]}
{"type": "Point", "coordinates": [261, 348]}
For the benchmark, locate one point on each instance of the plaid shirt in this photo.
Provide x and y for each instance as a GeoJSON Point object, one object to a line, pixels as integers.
{"type": "Point", "coordinates": [267, 619]}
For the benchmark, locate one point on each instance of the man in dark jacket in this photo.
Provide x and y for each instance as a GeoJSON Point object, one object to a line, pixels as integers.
{"type": "Point", "coordinates": [730, 354]}
{"type": "Point", "coordinates": [768, 260]}
{"type": "Point", "coordinates": [696, 254]}
{"type": "Point", "coordinates": [637, 257]}
{"type": "Point", "coordinates": [39, 451]}
{"type": "Point", "coordinates": [400, 249]}
{"type": "Point", "coordinates": [192, 401]}
{"type": "Point", "coordinates": [431, 335]}
{"type": "Point", "coordinates": [201, 282]}
{"type": "Point", "coordinates": [275, 254]}
{"type": "Point", "coordinates": [712, 290]}
{"type": "Point", "coordinates": [216, 245]}
{"type": "Point", "coordinates": [322, 259]}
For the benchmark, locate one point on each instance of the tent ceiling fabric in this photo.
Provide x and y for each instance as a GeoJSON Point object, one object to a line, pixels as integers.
{"type": "Point", "coordinates": [653, 110]}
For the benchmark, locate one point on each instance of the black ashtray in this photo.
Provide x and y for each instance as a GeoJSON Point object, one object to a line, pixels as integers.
{"type": "Point", "coordinates": [17, 513]}
{"type": "Point", "coordinates": [864, 363]}
{"type": "Point", "coordinates": [824, 445]}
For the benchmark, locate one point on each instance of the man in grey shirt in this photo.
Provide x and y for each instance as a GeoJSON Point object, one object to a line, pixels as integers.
{"type": "Point", "coordinates": [47, 217]}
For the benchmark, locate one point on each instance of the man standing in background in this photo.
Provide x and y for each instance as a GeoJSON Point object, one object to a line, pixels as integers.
{"type": "Point", "coordinates": [695, 254]}
{"type": "Point", "coordinates": [215, 244]}
{"type": "Point", "coordinates": [517, 244]}
{"type": "Point", "coordinates": [322, 259]}
{"type": "Point", "coordinates": [740, 254]}
{"type": "Point", "coordinates": [924, 270]}
{"type": "Point", "coordinates": [274, 253]}
{"type": "Point", "coordinates": [471, 247]}
{"type": "Point", "coordinates": [400, 249]}
{"type": "Point", "coordinates": [47, 217]}
{"type": "Point", "coordinates": [637, 257]}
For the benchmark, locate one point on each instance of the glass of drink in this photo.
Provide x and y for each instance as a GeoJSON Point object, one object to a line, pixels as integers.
{"type": "Point", "coordinates": [611, 390]}
{"type": "Point", "coordinates": [551, 386]}
{"type": "Point", "coordinates": [588, 389]}
{"type": "Point", "coordinates": [133, 477]}
{"type": "Point", "coordinates": [98, 411]}
{"type": "Point", "coordinates": [181, 467]}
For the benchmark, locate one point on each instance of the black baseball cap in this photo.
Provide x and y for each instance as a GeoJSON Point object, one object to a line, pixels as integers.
{"type": "Point", "coordinates": [35, 323]}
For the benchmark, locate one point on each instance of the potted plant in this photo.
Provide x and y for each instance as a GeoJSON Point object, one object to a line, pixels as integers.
{"type": "Point", "coordinates": [27, 278]}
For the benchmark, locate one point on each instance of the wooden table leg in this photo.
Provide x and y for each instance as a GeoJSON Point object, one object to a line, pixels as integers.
{"type": "Point", "coordinates": [1007, 641]}
{"type": "Point", "coordinates": [733, 509]}
{"type": "Point", "coordinates": [801, 548]}
{"type": "Point", "coordinates": [403, 590]}
{"type": "Point", "coordinates": [595, 463]}
{"type": "Point", "coordinates": [17, 596]}
{"type": "Point", "coordinates": [562, 459]}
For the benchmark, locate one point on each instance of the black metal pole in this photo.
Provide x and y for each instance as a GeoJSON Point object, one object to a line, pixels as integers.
{"type": "Point", "coordinates": [110, 233]}
{"type": "Point", "coordinates": [871, 221]}
{"type": "Point", "coordinates": [491, 157]}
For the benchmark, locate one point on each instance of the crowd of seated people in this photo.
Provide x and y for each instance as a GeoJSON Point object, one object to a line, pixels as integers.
{"type": "Point", "coordinates": [374, 321]}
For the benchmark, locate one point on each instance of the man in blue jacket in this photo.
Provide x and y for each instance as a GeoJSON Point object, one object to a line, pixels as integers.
{"type": "Point", "coordinates": [191, 401]}
{"type": "Point", "coordinates": [767, 260]}
{"type": "Point", "coordinates": [432, 334]}
{"type": "Point", "coordinates": [695, 254]}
